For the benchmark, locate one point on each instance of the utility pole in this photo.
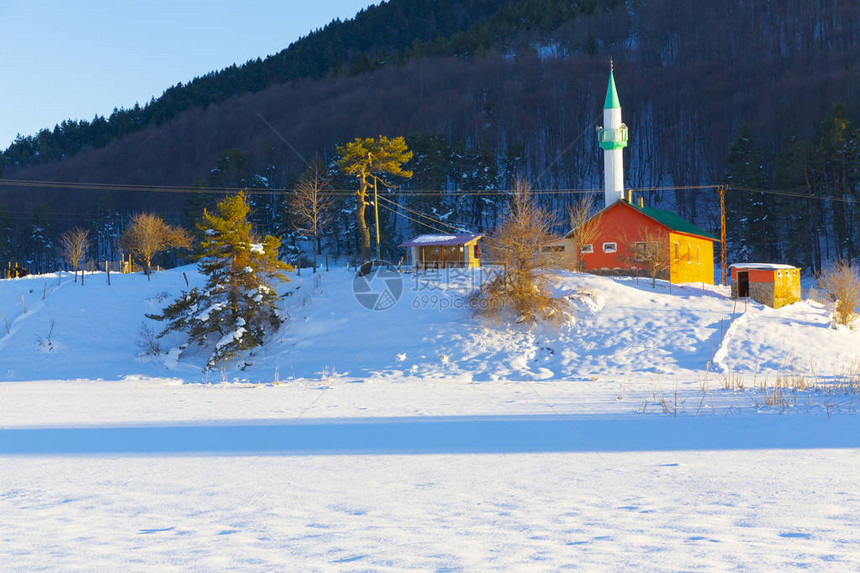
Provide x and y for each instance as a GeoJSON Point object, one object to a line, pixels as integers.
{"type": "Point", "coordinates": [376, 210]}
{"type": "Point", "coordinates": [723, 267]}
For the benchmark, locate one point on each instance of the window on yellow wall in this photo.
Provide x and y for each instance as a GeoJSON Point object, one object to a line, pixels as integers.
{"type": "Point", "coordinates": [698, 255]}
{"type": "Point", "coordinates": [677, 251]}
{"type": "Point", "coordinates": [689, 253]}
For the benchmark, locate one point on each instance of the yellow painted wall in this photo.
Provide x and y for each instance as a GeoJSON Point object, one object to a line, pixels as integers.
{"type": "Point", "coordinates": [692, 260]}
{"type": "Point", "coordinates": [471, 261]}
{"type": "Point", "coordinates": [786, 287]}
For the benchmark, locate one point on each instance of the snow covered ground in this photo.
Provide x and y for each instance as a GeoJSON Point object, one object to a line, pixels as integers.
{"type": "Point", "coordinates": [634, 437]}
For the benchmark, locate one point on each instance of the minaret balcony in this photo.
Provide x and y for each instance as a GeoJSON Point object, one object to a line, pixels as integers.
{"type": "Point", "coordinates": [612, 138]}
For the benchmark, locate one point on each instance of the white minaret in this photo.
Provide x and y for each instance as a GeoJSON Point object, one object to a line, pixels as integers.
{"type": "Point", "coordinates": [613, 138]}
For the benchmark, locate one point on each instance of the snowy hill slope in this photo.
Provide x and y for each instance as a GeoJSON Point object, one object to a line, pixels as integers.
{"type": "Point", "coordinates": [421, 438]}
{"type": "Point", "coordinates": [620, 328]}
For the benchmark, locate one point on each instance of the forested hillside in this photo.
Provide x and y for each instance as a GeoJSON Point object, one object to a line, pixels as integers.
{"type": "Point", "coordinates": [759, 94]}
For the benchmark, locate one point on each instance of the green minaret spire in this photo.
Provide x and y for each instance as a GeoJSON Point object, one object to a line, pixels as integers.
{"type": "Point", "coordinates": [611, 95]}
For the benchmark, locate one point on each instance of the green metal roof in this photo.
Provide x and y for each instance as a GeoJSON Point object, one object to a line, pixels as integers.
{"type": "Point", "coordinates": [611, 95]}
{"type": "Point", "coordinates": [673, 221]}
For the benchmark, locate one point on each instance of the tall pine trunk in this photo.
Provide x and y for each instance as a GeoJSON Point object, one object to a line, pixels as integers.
{"type": "Point", "coordinates": [363, 231]}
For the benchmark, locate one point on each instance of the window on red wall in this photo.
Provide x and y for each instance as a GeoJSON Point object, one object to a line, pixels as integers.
{"type": "Point", "coordinates": [610, 247]}
{"type": "Point", "coordinates": [477, 252]}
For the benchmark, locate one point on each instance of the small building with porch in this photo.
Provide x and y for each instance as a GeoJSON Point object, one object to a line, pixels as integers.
{"type": "Point", "coordinates": [770, 284]}
{"type": "Point", "coordinates": [443, 251]}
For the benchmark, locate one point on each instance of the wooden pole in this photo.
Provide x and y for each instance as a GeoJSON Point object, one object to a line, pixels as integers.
{"type": "Point", "coordinates": [24, 303]}
{"type": "Point", "coordinates": [185, 277]}
{"type": "Point", "coordinates": [721, 190]}
{"type": "Point", "coordinates": [107, 269]}
{"type": "Point", "coordinates": [45, 291]}
{"type": "Point", "coordinates": [326, 263]}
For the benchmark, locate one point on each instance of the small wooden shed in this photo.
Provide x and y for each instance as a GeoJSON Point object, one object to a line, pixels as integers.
{"type": "Point", "coordinates": [443, 251]}
{"type": "Point", "coordinates": [769, 284]}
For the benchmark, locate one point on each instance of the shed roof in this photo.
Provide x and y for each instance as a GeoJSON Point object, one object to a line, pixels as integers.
{"type": "Point", "coordinates": [440, 240]}
{"type": "Point", "coordinates": [761, 266]}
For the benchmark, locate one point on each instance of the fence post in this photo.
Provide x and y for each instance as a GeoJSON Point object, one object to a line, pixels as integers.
{"type": "Point", "coordinates": [107, 269]}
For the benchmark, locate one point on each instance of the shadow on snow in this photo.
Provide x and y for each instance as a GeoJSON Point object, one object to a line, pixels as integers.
{"type": "Point", "coordinates": [443, 435]}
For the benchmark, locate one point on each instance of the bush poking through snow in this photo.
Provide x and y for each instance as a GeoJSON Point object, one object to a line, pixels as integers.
{"type": "Point", "coordinates": [523, 287]}
{"type": "Point", "coordinates": [46, 344]}
{"type": "Point", "coordinates": [238, 306]}
{"type": "Point", "coordinates": [841, 282]}
{"type": "Point", "coordinates": [147, 340]}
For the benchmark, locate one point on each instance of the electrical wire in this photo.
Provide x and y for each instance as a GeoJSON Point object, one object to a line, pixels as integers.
{"type": "Point", "coordinates": [411, 219]}
{"type": "Point", "coordinates": [102, 187]}
{"type": "Point", "coordinates": [428, 217]}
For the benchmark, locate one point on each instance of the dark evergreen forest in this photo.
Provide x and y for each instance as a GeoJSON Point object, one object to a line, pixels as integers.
{"type": "Point", "coordinates": [761, 95]}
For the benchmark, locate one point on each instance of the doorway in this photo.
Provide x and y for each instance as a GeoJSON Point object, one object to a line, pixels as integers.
{"type": "Point", "coordinates": [743, 284]}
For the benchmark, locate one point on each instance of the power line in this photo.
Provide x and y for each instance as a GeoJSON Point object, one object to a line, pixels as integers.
{"type": "Point", "coordinates": [411, 192]}
{"type": "Point", "coordinates": [428, 217]}
{"type": "Point", "coordinates": [411, 219]}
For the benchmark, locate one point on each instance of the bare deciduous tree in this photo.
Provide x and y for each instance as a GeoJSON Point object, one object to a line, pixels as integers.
{"type": "Point", "coordinates": [74, 245]}
{"type": "Point", "coordinates": [311, 203]}
{"type": "Point", "coordinates": [149, 235]}
{"type": "Point", "coordinates": [584, 229]}
{"type": "Point", "coordinates": [517, 244]}
{"type": "Point", "coordinates": [649, 250]}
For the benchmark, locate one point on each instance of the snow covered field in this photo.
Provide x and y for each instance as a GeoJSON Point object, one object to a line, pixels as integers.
{"type": "Point", "coordinates": [416, 437]}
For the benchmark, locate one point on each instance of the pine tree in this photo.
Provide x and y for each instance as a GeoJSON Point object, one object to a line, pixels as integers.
{"type": "Point", "coordinates": [6, 232]}
{"type": "Point", "coordinates": [238, 305]}
{"type": "Point", "coordinates": [750, 216]}
{"type": "Point", "coordinates": [368, 159]}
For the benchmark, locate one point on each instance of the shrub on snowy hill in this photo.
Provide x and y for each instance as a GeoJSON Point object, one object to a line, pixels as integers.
{"type": "Point", "coordinates": [238, 305]}
{"type": "Point", "coordinates": [523, 287]}
{"type": "Point", "coordinates": [841, 281]}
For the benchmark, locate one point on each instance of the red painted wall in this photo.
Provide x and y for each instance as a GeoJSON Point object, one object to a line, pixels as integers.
{"type": "Point", "coordinates": [755, 275]}
{"type": "Point", "coordinates": [624, 226]}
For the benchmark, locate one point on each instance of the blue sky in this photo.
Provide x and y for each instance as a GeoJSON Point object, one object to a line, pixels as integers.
{"type": "Point", "coordinates": [73, 59]}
